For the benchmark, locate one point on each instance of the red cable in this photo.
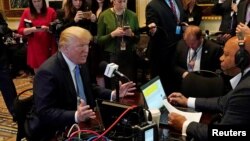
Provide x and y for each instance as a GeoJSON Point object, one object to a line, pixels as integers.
{"type": "Point", "coordinates": [117, 120]}
{"type": "Point", "coordinates": [88, 131]}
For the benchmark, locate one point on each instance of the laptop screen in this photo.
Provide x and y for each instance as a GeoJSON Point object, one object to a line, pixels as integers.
{"type": "Point", "coordinates": [153, 93]}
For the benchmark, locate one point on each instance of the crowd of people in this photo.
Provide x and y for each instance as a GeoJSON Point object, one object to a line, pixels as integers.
{"type": "Point", "coordinates": [87, 32]}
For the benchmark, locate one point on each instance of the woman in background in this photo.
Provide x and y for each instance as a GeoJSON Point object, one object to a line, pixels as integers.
{"type": "Point", "coordinates": [193, 11]}
{"type": "Point", "coordinates": [98, 6]}
{"type": "Point", "coordinates": [78, 13]}
{"type": "Point", "coordinates": [95, 54]}
{"type": "Point", "coordinates": [34, 24]}
{"type": "Point", "coordinates": [117, 33]}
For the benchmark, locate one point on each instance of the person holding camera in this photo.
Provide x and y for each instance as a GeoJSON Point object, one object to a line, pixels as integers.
{"type": "Point", "coordinates": [117, 32]}
{"type": "Point", "coordinates": [77, 13]}
{"type": "Point", "coordinates": [34, 24]}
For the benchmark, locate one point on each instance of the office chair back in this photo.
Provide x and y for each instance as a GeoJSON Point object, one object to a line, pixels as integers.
{"type": "Point", "coordinates": [202, 83]}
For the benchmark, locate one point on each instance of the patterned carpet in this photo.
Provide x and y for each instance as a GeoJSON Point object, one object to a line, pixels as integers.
{"type": "Point", "coordinates": [8, 128]}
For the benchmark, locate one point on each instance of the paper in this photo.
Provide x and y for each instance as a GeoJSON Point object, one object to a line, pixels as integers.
{"type": "Point", "coordinates": [191, 116]}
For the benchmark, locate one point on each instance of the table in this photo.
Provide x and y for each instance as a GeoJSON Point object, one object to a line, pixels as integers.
{"type": "Point", "coordinates": [165, 133]}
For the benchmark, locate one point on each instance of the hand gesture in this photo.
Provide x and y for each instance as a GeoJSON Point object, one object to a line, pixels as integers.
{"type": "Point", "coordinates": [242, 28]}
{"type": "Point", "coordinates": [127, 89]}
{"type": "Point", "coordinates": [84, 112]}
{"type": "Point", "coordinates": [177, 98]}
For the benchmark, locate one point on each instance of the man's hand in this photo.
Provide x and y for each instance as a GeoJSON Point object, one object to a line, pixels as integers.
{"type": "Point", "coordinates": [84, 112]}
{"type": "Point", "coordinates": [152, 28]}
{"type": "Point", "coordinates": [125, 89]}
{"type": "Point", "coordinates": [176, 121]}
{"type": "Point", "coordinates": [177, 98]}
{"type": "Point", "coordinates": [242, 28]}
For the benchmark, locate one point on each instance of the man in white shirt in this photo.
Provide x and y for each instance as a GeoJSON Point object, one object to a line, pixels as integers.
{"type": "Point", "coordinates": [234, 106]}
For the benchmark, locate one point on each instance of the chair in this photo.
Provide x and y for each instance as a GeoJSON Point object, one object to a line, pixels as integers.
{"type": "Point", "coordinates": [22, 105]}
{"type": "Point", "coordinates": [202, 83]}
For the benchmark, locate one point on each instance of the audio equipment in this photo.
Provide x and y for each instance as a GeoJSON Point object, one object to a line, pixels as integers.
{"type": "Point", "coordinates": [242, 56]}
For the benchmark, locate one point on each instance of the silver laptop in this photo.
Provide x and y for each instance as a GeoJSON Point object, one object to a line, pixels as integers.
{"type": "Point", "coordinates": [153, 94]}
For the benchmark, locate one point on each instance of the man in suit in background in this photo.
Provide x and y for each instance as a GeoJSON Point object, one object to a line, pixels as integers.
{"type": "Point", "coordinates": [194, 53]}
{"type": "Point", "coordinates": [164, 18]}
{"type": "Point", "coordinates": [56, 89]}
{"type": "Point", "coordinates": [234, 106]}
{"type": "Point", "coordinates": [7, 86]}
{"type": "Point", "coordinates": [243, 12]}
{"type": "Point", "coordinates": [227, 9]}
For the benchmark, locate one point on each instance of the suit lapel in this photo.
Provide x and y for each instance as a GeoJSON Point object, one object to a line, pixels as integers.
{"type": "Point", "coordinates": [204, 56]}
{"type": "Point", "coordinates": [66, 73]}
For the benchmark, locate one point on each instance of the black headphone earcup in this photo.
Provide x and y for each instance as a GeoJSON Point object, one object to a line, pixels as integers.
{"type": "Point", "coordinates": [242, 58]}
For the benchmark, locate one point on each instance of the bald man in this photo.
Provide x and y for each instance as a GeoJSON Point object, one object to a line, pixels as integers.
{"type": "Point", "coordinates": [234, 106]}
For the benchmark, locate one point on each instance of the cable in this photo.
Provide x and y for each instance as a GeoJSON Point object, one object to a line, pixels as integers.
{"type": "Point", "coordinates": [117, 120]}
{"type": "Point", "coordinates": [71, 128]}
{"type": "Point", "coordinates": [79, 131]}
{"type": "Point", "coordinates": [91, 138]}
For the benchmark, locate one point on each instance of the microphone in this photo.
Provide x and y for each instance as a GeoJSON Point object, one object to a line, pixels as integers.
{"type": "Point", "coordinates": [110, 70]}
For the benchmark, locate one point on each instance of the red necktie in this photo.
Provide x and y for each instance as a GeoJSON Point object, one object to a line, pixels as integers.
{"type": "Point", "coordinates": [172, 6]}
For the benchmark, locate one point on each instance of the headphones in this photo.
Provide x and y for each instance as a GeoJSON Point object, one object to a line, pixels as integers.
{"type": "Point", "coordinates": [242, 57]}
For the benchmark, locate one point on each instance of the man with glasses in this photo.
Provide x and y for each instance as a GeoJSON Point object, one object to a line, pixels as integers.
{"type": "Point", "coordinates": [56, 88]}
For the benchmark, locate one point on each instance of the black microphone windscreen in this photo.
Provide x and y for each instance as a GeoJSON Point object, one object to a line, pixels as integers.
{"type": "Point", "coordinates": [102, 66]}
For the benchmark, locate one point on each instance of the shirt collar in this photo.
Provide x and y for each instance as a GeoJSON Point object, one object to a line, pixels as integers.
{"type": "Point", "coordinates": [235, 80]}
{"type": "Point", "coordinates": [69, 63]}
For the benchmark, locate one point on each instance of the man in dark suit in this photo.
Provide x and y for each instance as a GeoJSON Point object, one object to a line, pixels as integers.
{"type": "Point", "coordinates": [56, 89]}
{"type": "Point", "coordinates": [242, 12]}
{"type": "Point", "coordinates": [234, 106]}
{"type": "Point", "coordinates": [7, 86]}
{"type": "Point", "coordinates": [165, 32]}
{"type": "Point", "coordinates": [227, 9]}
{"type": "Point", "coordinates": [194, 53]}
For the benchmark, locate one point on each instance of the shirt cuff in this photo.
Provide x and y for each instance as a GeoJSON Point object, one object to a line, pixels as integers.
{"type": "Point", "coordinates": [191, 102]}
{"type": "Point", "coordinates": [76, 113]}
{"type": "Point", "coordinates": [221, 1]}
{"type": "Point", "coordinates": [184, 127]}
{"type": "Point", "coordinates": [112, 96]}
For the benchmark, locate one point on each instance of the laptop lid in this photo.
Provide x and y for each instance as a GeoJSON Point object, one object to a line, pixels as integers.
{"type": "Point", "coordinates": [153, 93]}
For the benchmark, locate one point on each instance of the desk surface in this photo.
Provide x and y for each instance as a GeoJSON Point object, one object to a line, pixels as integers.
{"type": "Point", "coordinates": [165, 133]}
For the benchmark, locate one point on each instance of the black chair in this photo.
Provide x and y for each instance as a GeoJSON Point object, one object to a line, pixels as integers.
{"type": "Point", "coordinates": [202, 83]}
{"type": "Point", "coordinates": [22, 106]}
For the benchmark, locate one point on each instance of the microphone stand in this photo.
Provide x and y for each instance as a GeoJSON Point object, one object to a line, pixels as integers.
{"type": "Point", "coordinates": [117, 87]}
